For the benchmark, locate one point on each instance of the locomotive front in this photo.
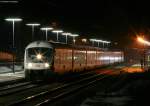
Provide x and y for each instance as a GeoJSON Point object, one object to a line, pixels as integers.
{"type": "Point", "coordinates": [38, 60]}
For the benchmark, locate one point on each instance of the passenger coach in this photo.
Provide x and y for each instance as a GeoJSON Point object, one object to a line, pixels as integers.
{"type": "Point", "coordinates": [47, 59]}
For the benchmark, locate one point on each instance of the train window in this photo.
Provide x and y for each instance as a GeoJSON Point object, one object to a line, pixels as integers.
{"type": "Point", "coordinates": [39, 54]}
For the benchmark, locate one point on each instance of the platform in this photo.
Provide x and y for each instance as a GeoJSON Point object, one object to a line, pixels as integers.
{"type": "Point", "coordinates": [11, 76]}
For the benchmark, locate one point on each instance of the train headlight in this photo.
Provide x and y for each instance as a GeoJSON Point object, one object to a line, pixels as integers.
{"type": "Point", "coordinates": [29, 65]}
{"type": "Point", "coordinates": [39, 56]}
{"type": "Point", "coordinates": [46, 65]}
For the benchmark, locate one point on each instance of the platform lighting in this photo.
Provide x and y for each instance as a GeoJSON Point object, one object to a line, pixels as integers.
{"type": "Point", "coordinates": [57, 32]}
{"type": "Point", "coordinates": [99, 41]}
{"type": "Point", "coordinates": [46, 29]}
{"type": "Point", "coordinates": [74, 35]}
{"type": "Point", "coordinates": [107, 42]}
{"type": "Point", "coordinates": [66, 34]}
{"type": "Point", "coordinates": [104, 42]}
{"type": "Point", "coordinates": [92, 40]}
{"type": "Point", "coordinates": [33, 25]}
{"type": "Point", "coordinates": [84, 40]}
{"type": "Point", "coordinates": [96, 40]}
{"type": "Point", "coordinates": [13, 20]}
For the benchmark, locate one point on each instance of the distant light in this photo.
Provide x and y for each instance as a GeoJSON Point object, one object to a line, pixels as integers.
{"type": "Point", "coordinates": [9, 1]}
{"type": "Point", "coordinates": [142, 40]}
{"type": "Point", "coordinates": [84, 40]}
{"type": "Point", "coordinates": [101, 41]}
{"type": "Point", "coordinates": [92, 39]}
{"type": "Point", "coordinates": [57, 31]}
{"type": "Point", "coordinates": [33, 24]}
{"type": "Point", "coordinates": [106, 41]}
{"type": "Point", "coordinates": [74, 35]}
{"type": "Point", "coordinates": [13, 19]}
{"type": "Point", "coordinates": [74, 40]}
{"type": "Point", "coordinates": [46, 28]}
{"type": "Point", "coordinates": [66, 33]}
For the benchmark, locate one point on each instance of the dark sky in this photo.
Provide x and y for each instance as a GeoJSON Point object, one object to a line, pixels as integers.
{"type": "Point", "coordinates": [114, 20]}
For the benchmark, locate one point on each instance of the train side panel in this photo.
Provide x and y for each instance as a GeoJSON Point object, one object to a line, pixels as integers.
{"type": "Point", "coordinates": [63, 60]}
{"type": "Point", "coordinates": [91, 59]}
{"type": "Point", "coordinates": [66, 60]}
{"type": "Point", "coordinates": [79, 60]}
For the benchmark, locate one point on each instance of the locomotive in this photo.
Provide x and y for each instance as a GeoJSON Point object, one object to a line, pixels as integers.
{"type": "Point", "coordinates": [43, 60]}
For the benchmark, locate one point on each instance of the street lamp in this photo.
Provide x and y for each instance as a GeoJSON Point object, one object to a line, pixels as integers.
{"type": "Point", "coordinates": [57, 32]}
{"type": "Point", "coordinates": [74, 35]}
{"type": "Point", "coordinates": [33, 25]}
{"type": "Point", "coordinates": [105, 42]}
{"type": "Point", "coordinates": [99, 41]}
{"type": "Point", "coordinates": [46, 29]}
{"type": "Point", "coordinates": [13, 20]}
{"type": "Point", "coordinates": [66, 34]}
{"type": "Point", "coordinates": [92, 40]}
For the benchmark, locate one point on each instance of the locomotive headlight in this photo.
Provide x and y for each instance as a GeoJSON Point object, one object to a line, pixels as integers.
{"type": "Point", "coordinates": [46, 65]}
{"type": "Point", "coordinates": [39, 56]}
{"type": "Point", "coordinates": [29, 64]}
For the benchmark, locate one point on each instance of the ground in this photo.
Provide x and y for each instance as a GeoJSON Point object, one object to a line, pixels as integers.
{"type": "Point", "coordinates": [130, 88]}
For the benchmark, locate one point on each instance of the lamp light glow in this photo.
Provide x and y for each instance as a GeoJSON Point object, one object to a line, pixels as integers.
{"type": "Point", "coordinates": [46, 29]}
{"type": "Point", "coordinates": [57, 32]}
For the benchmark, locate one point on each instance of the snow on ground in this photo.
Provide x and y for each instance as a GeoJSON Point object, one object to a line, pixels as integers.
{"type": "Point", "coordinates": [8, 69]}
{"type": "Point", "coordinates": [6, 73]}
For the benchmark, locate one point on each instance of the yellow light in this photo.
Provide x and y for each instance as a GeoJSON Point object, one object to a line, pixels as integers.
{"type": "Point", "coordinates": [140, 39]}
{"type": "Point", "coordinates": [39, 56]}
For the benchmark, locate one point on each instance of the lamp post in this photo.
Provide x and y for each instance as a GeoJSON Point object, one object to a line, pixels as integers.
{"type": "Point", "coordinates": [33, 25]}
{"type": "Point", "coordinates": [57, 32]}
{"type": "Point", "coordinates": [144, 42]}
{"type": "Point", "coordinates": [92, 40]}
{"type": "Point", "coordinates": [74, 35]}
{"type": "Point", "coordinates": [108, 42]}
{"type": "Point", "coordinates": [13, 20]}
{"type": "Point", "coordinates": [66, 34]}
{"type": "Point", "coordinates": [98, 41]}
{"type": "Point", "coordinates": [46, 29]}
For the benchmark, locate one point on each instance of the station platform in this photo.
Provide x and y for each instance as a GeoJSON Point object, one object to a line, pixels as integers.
{"type": "Point", "coordinates": [7, 75]}
{"type": "Point", "coordinates": [11, 76]}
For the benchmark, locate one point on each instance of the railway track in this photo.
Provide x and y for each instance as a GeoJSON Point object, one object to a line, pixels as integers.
{"type": "Point", "coordinates": [56, 93]}
{"type": "Point", "coordinates": [14, 87]}
{"type": "Point", "coordinates": [22, 94]}
{"type": "Point", "coordinates": [17, 87]}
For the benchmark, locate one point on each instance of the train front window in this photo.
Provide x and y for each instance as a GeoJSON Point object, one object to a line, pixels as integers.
{"type": "Point", "coordinates": [39, 54]}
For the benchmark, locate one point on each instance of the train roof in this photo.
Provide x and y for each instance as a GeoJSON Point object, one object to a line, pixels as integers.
{"type": "Point", "coordinates": [59, 45]}
{"type": "Point", "coordinates": [39, 44]}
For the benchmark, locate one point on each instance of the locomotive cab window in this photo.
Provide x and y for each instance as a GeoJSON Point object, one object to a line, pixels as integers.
{"type": "Point", "coordinates": [39, 54]}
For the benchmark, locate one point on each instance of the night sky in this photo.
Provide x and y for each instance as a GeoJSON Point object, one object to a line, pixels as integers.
{"type": "Point", "coordinates": [114, 20]}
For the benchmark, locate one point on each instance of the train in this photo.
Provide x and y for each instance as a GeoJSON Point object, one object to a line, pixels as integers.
{"type": "Point", "coordinates": [44, 60]}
